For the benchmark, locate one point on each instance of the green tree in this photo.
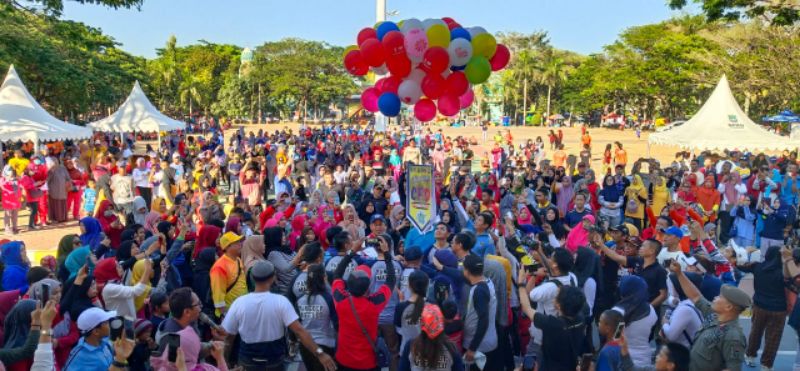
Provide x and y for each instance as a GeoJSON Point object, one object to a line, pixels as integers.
{"type": "Point", "coordinates": [777, 12]}
{"type": "Point", "coordinates": [55, 7]}
{"type": "Point", "coordinates": [553, 72]}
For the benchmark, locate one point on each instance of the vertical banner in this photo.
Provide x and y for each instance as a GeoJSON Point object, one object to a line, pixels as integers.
{"type": "Point", "coordinates": [420, 196]}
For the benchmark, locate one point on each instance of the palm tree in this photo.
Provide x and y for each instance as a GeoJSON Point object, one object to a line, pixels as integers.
{"type": "Point", "coordinates": [553, 72]}
{"type": "Point", "coordinates": [190, 91]}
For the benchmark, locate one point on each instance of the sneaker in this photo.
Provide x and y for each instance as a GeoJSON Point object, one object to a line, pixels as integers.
{"type": "Point", "coordinates": [750, 361]}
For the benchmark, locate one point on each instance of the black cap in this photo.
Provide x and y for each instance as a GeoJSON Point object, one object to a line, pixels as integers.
{"type": "Point", "coordinates": [412, 253]}
{"type": "Point", "coordinates": [473, 264]}
{"type": "Point", "coordinates": [620, 228]}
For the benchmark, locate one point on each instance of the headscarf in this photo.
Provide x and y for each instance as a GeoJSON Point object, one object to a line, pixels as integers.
{"type": "Point", "coordinates": [396, 216]}
{"type": "Point", "coordinates": [16, 270]}
{"type": "Point", "coordinates": [139, 203]}
{"type": "Point", "coordinates": [36, 290]}
{"type": "Point", "coordinates": [252, 251]}
{"type": "Point", "coordinates": [105, 272]}
{"type": "Point", "coordinates": [298, 224]}
{"type": "Point", "coordinates": [579, 236]}
{"type": "Point", "coordinates": [137, 273]}
{"type": "Point", "coordinates": [734, 179]}
{"type": "Point", "coordinates": [124, 250]}
{"type": "Point", "coordinates": [633, 298]}
{"type": "Point", "coordinates": [201, 284]}
{"type": "Point", "coordinates": [100, 215]}
{"type": "Point", "coordinates": [234, 225]}
{"type": "Point", "coordinates": [7, 301]}
{"type": "Point", "coordinates": [191, 346]}
{"type": "Point", "coordinates": [273, 241]}
{"type": "Point", "coordinates": [587, 264]}
{"type": "Point", "coordinates": [94, 232]}
{"type": "Point", "coordinates": [163, 228]}
{"type": "Point", "coordinates": [76, 259]}
{"type": "Point", "coordinates": [65, 247]}
{"type": "Point", "coordinates": [49, 262]}
{"type": "Point", "coordinates": [151, 221]}
{"type": "Point", "coordinates": [18, 324]}
{"type": "Point", "coordinates": [155, 205]}
{"type": "Point", "coordinates": [206, 237]}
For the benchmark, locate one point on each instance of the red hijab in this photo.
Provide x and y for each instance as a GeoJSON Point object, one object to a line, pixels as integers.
{"type": "Point", "coordinates": [207, 237]}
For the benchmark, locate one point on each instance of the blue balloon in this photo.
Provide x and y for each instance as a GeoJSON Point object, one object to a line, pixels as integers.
{"type": "Point", "coordinates": [389, 104]}
{"type": "Point", "coordinates": [460, 33]}
{"type": "Point", "coordinates": [458, 68]}
{"type": "Point", "coordinates": [385, 27]}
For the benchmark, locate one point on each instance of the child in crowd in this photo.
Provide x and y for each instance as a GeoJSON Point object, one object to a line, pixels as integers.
{"type": "Point", "coordinates": [89, 198]}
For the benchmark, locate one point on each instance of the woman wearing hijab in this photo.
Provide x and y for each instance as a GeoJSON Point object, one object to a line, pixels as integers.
{"type": "Point", "coordinates": [58, 183]}
{"type": "Point", "coordinates": [685, 320]}
{"type": "Point", "coordinates": [115, 295]}
{"type": "Point", "coordinates": [111, 225]}
{"type": "Point", "coordinates": [352, 224]}
{"type": "Point", "coordinates": [564, 194]}
{"type": "Point", "coordinates": [636, 196]}
{"type": "Point", "coordinates": [769, 307]}
{"type": "Point", "coordinates": [659, 193]}
{"type": "Point", "coordinates": [7, 301]}
{"type": "Point", "coordinates": [191, 347]}
{"type": "Point", "coordinates": [252, 251]}
{"type": "Point", "coordinates": [65, 247]}
{"type": "Point", "coordinates": [91, 232]}
{"type": "Point", "coordinates": [139, 210]}
{"type": "Point", "coordinates": [639, 318]}
{"type": "Point", "coordinates": [159, 205]}
{"type": "Point", "coordinates": [708, 196]}
{"type": "Point", "coordinates": [201, 284]}
{"type": "Point", "coordinates": [210, 209]}
{"type": "Point", "coordinates": [743, 230]}
{"type": "Point", "coordinates": [298, 230]}
{"type": "Point", "coordinates": [610, 199]}
{"type": "Point", "coordinates": [555, 222]}
{"type": "Point", "coordinates": [138, 275]}
{"type": "Point", "coordinates": [12, 199]}
{"type": "Point", "coordinates": [431, 349]}
{"type": "Point", "coordinates": [207, 236]}
{"type": "Point", "coordinates": [589, 273]}
{"type": "Point", "coordinates": [76, 260]}
{"type": "Point", "coordinates": [16, 265]}
{"type": "Point", "coordinates": [277, 251]}
{"type": "Point", "coordinates": [234, 224]}
{"type": "Point", "coordinates": [151, 221]}
{"type": "Point", "coordinates": [167, 187]}
{"type": "Point", "coordinates": [579, 236]}
{"type": "Point", "coordinates": [16, 329]}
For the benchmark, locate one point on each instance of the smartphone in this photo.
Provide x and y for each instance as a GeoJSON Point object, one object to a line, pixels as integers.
{"type": "Point", "coordinates": [117, 325]}
{"type": "Point", "coordinates": [173, 342]}
{"type": "Point", "coordinates": [618, 331]}
{"type": "Point", "coordinates": [667, 263]}
{"type": "Point", "coordinates": [45, 294]}
{"type": "Point", "coordinates": [586, 361]}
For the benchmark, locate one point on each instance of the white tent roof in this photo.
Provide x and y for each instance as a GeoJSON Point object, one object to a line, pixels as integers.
{"type": "Point", "coordinates": [22, 118]}
{"type": "Point", "coordinates": [137, 114]}
{"type": "Point", "coordinates": [720, 124]}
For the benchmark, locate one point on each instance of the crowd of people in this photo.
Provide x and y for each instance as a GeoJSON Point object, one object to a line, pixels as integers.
{"type": "Point", "coordinates": [255, 250]}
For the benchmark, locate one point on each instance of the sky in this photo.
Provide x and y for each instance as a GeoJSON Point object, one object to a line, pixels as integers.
{"type": "Point", "coordinates": [584, 26]}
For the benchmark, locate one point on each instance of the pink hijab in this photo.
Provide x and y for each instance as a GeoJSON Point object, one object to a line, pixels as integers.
{"type": "Point", "coordinates": [298, 223]}
{"type": "Point", "coordinates": [579, 236]}
{"type": "Point", "coordinates": [151, 222]}
{"type": "Point", "coordinates": [190, 344]}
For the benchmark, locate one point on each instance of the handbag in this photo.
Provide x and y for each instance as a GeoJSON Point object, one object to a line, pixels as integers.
{"type": "Point", "coordinates": [632, 207]}
{"type": "Point", "coordinates": [382, 354]}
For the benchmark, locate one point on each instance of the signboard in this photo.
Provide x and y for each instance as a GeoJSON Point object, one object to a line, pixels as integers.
{"type": "Point", "coordinates": [420, 196]}
{"type": "Point", "coordinates": [733, 122]}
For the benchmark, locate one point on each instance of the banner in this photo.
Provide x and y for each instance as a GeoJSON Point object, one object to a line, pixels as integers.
{"type": "Point", "coordinates": [420, 196]}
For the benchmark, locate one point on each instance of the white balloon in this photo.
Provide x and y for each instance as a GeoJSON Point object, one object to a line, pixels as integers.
{"type": "Point", "coordinates": [416, 75]}
{"type": "Point", "coordinates": [382, 70]}
{"type": "Point", "coordinates": [460, 51]}
{"type": "Point", "coordinates": [409, 91]}
{"type": "Point", "coordinates": [411, 24]}
{"type": "Point", "coordinates": [475, 31]}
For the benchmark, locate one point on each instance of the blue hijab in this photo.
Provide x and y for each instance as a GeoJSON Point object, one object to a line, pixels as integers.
{"type": "Point", "coordinates": [16, 269]}
{"type": "Point", "coordinates": [75, 261]}
{"type": "Point", "coordinates": [94, 232]}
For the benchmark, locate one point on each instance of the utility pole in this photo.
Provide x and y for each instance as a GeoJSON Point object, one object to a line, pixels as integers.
{"type": "Point", "coordinates": [524, 101]}
{"type": "Point", "coordinates": [380, 15]}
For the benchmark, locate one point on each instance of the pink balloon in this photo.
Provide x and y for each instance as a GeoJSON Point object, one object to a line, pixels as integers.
{"type": "Point", "coordinates": [425, 110]}
{"type": "Point", "coordinates": [416, 43]}
{"type": "Point", "coordinates": [449, 105]}
{"type": "Point", "coordinates": [369, 99]}
{"type": "Point", "coordinates": [466, 99]}
{"type": "Point", "coordinates": [500, 58]}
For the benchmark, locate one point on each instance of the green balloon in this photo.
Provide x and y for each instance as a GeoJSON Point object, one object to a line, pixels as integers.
{"type": "Point", "coordinates": [478, 70]}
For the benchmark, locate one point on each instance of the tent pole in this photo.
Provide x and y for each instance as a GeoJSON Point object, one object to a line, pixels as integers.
{"type": "Point", "coordinates": [648, 149]}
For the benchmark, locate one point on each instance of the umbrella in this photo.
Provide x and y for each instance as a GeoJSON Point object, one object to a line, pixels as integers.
{"type": "Point", "coordinates": [783, 116]}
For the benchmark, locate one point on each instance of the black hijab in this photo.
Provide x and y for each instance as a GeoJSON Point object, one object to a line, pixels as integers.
{"type": "Point", "coordinates": [273, 241]}
{"type": "Point", "coordinates": [18, 324]}
{"type": "Point", "coordinates": [587, 264]}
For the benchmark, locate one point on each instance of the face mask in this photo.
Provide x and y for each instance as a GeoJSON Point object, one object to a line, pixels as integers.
{"type": "Point", "coordinates": [108, 213]}
{"type": "Point", "coordinates": [38, 161]}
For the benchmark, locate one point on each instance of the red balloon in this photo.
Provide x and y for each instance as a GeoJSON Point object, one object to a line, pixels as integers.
{"type": "Point", "coordinates": [390, 84]}
{"type": "Point", "coordinates": [500, 58]}
{"type": "Point", "coordinates": [366, 34]}
{"type": "Point", "coordinates": [425, 110]}
{"type": "Point", "coordinates": [453, 25]}
{"type": "Point", "coordinates": [466, 99]}
{"type": "Point", "coordinates": [457, 83]}
{"type": "Point", "coordinates": [369, 99]}
{"type": "Point", "coordinates": [355, 64]}
{"type": "Point", "coordinates": [394, 44]}
{"type": "Point", "coordinates": [449, 105]}
{"type": "Point", "coordinates": [448, 20]}
{"type": "Point", "coordinates": [435, 60]}
{"type": "Point", "coordinates": [399, 66]}
{"type": "Point", "coordinates": [433, 86]}
{"type": "Point", "coordinates": [373, 52]}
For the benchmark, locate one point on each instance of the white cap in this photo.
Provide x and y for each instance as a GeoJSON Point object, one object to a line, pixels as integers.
{"type": "Point", "coordinates": [93, 317]}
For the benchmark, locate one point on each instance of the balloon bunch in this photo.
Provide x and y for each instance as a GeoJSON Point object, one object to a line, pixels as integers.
{"type": "Point", "coordinates": [431, 64]}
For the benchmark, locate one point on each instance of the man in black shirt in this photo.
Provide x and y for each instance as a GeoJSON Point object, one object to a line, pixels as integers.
{"type": "Point", "coordinates": [646, 266]}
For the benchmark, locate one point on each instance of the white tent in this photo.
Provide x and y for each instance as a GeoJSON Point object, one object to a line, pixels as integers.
{"type": "Point", "coordinates": [137, 114]}
{"type": "Point", "coordinates": [720, 124]}
{"type": "Point", "coordinates": [22, 118]}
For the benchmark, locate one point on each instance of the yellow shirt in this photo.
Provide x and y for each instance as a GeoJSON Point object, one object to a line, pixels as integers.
{"type": "Point", "coordinates": [19, 164]}
{"type": "Point", "coordinates": [225, 273]}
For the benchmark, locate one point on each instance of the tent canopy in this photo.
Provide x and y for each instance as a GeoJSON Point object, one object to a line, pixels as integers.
{"type": "Point", "coordinates": [22, 118]}
{"type": "Point", "coordinates": [137, 114]}
{"type": "Point", "coordinates": [721, 124]}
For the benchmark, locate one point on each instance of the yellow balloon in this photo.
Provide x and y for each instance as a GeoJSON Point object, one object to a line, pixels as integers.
{"type": "Point", "coordinates": [348, 50]}
{"type": "Point", "coordinates": [484, 45]}
{"type": "Point", "coordinates": [400, 24]}
{"type": "Point", "coordinates": [438, 35]}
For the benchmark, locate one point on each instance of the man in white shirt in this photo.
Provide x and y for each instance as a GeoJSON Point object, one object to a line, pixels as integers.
{"type": "Point", "coordinates": [261, 318]}
{"type": "Point", "coordinates": [141, 179]}
{"type": "Point", "coordinates": [672, 240]}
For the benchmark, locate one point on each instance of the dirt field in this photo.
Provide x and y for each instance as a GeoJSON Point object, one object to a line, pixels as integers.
{"type": "Point", "coordinates": [45, 241]}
